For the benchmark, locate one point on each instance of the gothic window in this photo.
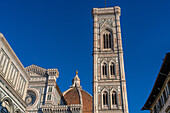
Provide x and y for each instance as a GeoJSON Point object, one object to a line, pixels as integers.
{"type": "Point", "coordinates": [105, 98]}
{"type": "Point", "coordinates": [49, 97]}
{"type": "Point", "coordinates": [107, 40]}
{"type": "Point", "coordinates": [104, 70]}
{"type": "Point", "coordinates": [114, 98]}
{"type": "Point", "coordinates": [112, 69]}
{"type": "Point", "coordinates": [50, 89]}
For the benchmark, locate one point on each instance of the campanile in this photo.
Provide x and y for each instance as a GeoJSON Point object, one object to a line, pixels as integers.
{"type": "Point", "coordinates": [109, 84]}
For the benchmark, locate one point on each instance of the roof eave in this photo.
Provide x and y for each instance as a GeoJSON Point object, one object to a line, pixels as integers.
{"type": "Point", "coordinates": [165, 70]}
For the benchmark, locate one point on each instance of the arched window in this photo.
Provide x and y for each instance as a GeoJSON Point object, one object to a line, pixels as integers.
{"type": "Point", "coordinates": [112, 69]}
{"type": "Point", "coordinates": [104, 40]}
{"type": "Point", "coordinates": [7, 105]}
{"type": "Point", "coordinates": [107, 40]}
{"type": "Point", "coordinates": [104, 70]}
{"type": "Point", "coordinates": [50, 89]}
{"type": "Point", "coordinates": [105, 98]}
{"type": "Point", "coordinates": [49, 97]}
{"type": "Point", "coordinates": [114, 98]}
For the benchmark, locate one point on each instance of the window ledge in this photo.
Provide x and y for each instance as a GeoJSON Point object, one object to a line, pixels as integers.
{"type": "Point", "coordinates": [114, 107]}
{"type": "Point", "coordinates": [105, 107]}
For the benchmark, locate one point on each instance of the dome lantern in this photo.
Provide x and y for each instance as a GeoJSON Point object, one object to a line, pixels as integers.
{"type": "Point", "coordinates": [76, 81]}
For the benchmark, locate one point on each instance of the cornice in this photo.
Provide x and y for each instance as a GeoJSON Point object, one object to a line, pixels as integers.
{"type": "Point", "coordinates": [107, 10]}
{"type": "Point", "coordinates": [12, 53]}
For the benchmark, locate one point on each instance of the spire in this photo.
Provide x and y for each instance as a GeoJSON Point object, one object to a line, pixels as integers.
{"type": "Point", "coordinates": [76, 81]}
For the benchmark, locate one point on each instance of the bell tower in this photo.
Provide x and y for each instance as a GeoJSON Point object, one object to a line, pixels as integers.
{"type": "Point", "coordinates": [109, 84]}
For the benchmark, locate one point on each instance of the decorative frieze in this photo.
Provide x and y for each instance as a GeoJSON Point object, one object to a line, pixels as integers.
{"type": "Point", "coordinates": [62, 108]}
{"type": "Point", "coordinates": [106, 22]}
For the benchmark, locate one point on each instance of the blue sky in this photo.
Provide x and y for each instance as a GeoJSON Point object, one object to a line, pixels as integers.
{"type": "Point", "coordinates": [59, 34]}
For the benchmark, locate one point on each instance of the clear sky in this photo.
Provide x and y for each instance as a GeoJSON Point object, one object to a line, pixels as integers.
{"type": "Point", "coordinates": [59, 34]}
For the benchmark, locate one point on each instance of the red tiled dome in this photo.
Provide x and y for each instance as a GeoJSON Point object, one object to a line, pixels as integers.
{"type": "Point", "coordinates": [87, 102]}
{"type": "Point", "coordinates": [72, 96]}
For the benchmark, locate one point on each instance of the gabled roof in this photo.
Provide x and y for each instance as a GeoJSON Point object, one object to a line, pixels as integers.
{"type": "Point", "coordinates": [162, 75]}
{"type": "Point", "coordinates": [34, 69]}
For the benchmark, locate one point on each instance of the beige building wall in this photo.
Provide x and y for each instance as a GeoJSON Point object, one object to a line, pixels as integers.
{"type": "Point", "coordinates": [162, 102]}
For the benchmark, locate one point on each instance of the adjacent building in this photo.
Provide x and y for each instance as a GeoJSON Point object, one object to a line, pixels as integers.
{"type": "Point", "coordinates": [159, 98]}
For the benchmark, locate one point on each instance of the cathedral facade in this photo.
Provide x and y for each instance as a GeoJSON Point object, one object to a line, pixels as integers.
{"type": "Point", "coordinates": [34, 89]}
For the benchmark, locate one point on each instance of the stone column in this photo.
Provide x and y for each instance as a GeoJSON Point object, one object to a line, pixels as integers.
{"type": "Point", "coordinates": [121, 62]}
{"type": "Point", "coordinates": [95, 56]}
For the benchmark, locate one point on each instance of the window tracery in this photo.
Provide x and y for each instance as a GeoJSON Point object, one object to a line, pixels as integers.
{"type": "Point", "coordinates": [112, 69]}
{"type": "Point", "coordinates": [114, 98]}
{"type": "Point", "coordinates": [107, 40]}
{"type": "Point", "coordinates": [105, 99]}
{"type": "Point", "coordinates": [104, 70]}
{"type": "Point", "coordinates": [49, 97]}
{"type": "Point", "coordinates": [50, 89]}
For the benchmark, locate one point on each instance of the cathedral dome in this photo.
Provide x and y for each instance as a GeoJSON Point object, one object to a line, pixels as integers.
{"type": "Point", "coordinates": [76, 95]}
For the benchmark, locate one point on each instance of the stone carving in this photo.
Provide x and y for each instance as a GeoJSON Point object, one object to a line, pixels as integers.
{"type": "Point", "coordinates": [107, 22]}
{"type": "Point", "coordinates": [33, 70]}
{"type": "Point", "coordinates": [98, 60]}
{"type": "Point", "coordinates": [119, 88]}
{"type": "Point", "coordinates": [116, 59]}
{"type": "Point", "coordinates": [114, 88]}
{"type": "Point", "coordinates": [2, 95]}
{"type": "Point", "coordinates": [15, 107]}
